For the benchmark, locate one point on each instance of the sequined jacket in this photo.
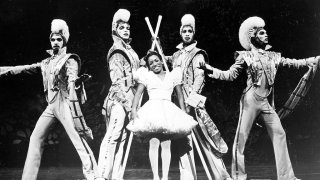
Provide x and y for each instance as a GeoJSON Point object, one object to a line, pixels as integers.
{"type": "Point", "coordinates": [64, 72]}
{"type": "Point", "coordinates": [257, 62]}
{"type": "Point", "coordinates": [188, 58]}
{"type": "Point", "coordinates": [122, 61]}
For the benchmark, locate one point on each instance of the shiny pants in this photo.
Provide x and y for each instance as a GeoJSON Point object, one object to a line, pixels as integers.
{"type": "Point", "coordinates": [252, 105]}
{"type": "Point", "coordinates": [186, 163]}
{"type": "Point", "coordinates": [112, 146]}
{"type": "Point", "coordinates": [58, 110]}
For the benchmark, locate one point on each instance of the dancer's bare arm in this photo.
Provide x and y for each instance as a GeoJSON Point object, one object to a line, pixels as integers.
{"type": "Point", "coordinates": [178, 90]}
{"type": "Point", "coordinates": [136, 100]}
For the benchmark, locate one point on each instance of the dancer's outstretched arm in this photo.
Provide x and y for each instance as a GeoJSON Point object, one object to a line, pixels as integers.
{"type": "Point", "coordinates": [14, 70]}
{"type": "Point", "coordinates": [178, 90]}
{"type": "Point", "coordinates": [3, 69]}
{"type": "Point", "coordinates": [297, 63]}
{"type": "Point", "coordinates": [136, 100]}
{"type": "Point", "coordinates": [232, 73]}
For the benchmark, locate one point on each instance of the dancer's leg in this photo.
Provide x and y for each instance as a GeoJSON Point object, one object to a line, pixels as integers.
{"type": "Point", "coordinates": [249, 109]}
{"type": "Point", "coordinates": [89, 164]}
{"type": "Point", "coordinates": [166, 158]}
{"type": "Point", "coordinates": [117, 165]}
{"type": "Point", "coordinates": [186, 162]}
{"type": "Point", "coordinates": [39, 134]}
{"type": "Point", "coordinates": [154, 144]}
{"type": "Point", "coordinates": [110, 143]}
{"type": "Point", "coordinates": [278, 138]}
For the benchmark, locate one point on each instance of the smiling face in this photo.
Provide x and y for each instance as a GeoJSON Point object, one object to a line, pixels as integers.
{"type": "Point", "coordinates": [123, 30]}
{"type": "Point", "coordinates": [155, 64]}
{"type": "Point", "coordinates": [187, 34]}
{"type": "Point", "coordinates": [56, 41]}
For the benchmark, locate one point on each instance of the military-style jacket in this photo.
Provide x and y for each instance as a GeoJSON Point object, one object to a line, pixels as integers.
{"type": "Point", "coordinates": [59, 73]}
{"type": "Point", "coordinates": [122, 61]}
{"type": "Point", "coordinates": [257, 63]}
{"type": "Point", "coordinates": [188, 59]}
{"type": "Point", "coordinates": [57, 77]}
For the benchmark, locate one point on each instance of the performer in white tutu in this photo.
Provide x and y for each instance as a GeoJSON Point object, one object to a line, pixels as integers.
{"type": "Point", "coordinates": [159, 119]}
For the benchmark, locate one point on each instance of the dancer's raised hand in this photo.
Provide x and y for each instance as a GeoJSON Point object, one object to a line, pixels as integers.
{"type": "Point", "coordinates": [313, 61]}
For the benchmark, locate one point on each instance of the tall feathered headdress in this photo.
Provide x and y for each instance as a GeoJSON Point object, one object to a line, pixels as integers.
{"type": "Point", "coordinates": [188, 20]}
{"type": "Point", "coordinates": [248, 29]}
{"type": "Point", "coordinates": [121, 15]}
{"type": "Point", "coordinates": [59, 26]}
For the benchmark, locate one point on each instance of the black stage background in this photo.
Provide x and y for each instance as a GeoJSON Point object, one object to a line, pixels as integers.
{"type": "Point", "coordinates": [293, 27]}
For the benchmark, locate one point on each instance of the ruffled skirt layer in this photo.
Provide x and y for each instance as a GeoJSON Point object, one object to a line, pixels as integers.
{"type": "Point", "coordinates": [162, 119]}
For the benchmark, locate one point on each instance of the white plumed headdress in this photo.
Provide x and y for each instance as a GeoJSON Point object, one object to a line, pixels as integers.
{"type": "Point", "coordinates": [121, 15]}
{"type": "Point", "coordinates": [188, 20]}
{"type": "Point", "coordinates": [248, 29]}
{"type": "Point", "coordinates": [59, 26]}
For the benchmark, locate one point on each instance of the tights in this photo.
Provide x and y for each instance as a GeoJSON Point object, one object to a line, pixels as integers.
{"type": "Point", "coordinates": [154, 144]}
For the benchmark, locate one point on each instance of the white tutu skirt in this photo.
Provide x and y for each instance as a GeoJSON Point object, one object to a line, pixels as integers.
{"type": "Point", "coordinates": [161, 119]}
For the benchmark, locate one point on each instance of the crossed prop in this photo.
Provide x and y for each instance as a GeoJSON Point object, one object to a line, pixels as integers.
{"type": "Point", "coordinates": [155, 43]}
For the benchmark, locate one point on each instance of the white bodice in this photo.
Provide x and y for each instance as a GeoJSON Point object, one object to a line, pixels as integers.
{"type": "Point", "coordinates": [157, 88]}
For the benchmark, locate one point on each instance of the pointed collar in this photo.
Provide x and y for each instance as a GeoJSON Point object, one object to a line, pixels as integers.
{"type": "Point", "coordinates": [187, 48]}
{"type": "Point", "coordinates": [254, 49]}
{"type": "Point", "coordinates": [117, 39]}
{"type": "Point", "coordinates": [61, 51]}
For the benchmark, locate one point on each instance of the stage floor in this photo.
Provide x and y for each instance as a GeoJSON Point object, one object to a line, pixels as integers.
{"type": "Point", "coordinates": [305, 172]}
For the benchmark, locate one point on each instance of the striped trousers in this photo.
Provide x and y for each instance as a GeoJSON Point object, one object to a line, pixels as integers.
{"type": "Point", "coordinates": [113, 144]}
